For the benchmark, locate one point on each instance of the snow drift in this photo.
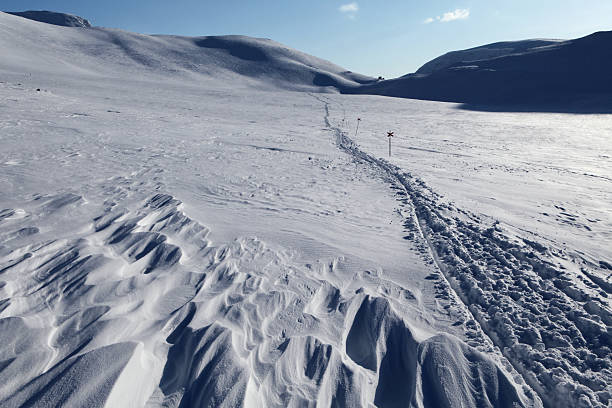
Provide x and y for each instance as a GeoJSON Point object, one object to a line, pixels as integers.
{"type": "Point", "coordinates": [80, 313]}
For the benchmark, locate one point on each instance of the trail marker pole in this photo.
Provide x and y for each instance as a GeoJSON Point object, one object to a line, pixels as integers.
{"type": "Point", "coordinates": [389, 136]}
{"type": "Point", "coordinates": [357, 128]}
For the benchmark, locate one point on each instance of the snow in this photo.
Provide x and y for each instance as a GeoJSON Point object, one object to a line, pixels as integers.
{"type": "Point", "coordinates": [201, 235]}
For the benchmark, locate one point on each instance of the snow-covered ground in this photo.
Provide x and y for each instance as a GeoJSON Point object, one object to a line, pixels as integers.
{"type": "Point", "coordinates": [516, 210]}
{"type": "Point", "coordinates": [176, 239]}
{"type": "Point", "coordinates": [544, 174]}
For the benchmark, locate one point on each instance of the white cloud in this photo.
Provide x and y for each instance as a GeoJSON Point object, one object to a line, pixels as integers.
{"type": "Point", "coordinates": [459, 14]}
{"type": "Point", "coordinates": [350, 9]}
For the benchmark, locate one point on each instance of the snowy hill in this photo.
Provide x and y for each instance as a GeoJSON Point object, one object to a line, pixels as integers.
{"type": "Point", "coordinates": [566, 74]}
{"type": "Point", "coordinates": [97, 51]}
{"type": "Point", "coordinates": [483, 52]}
{"type": "Point", "coordinates": [50, 17]}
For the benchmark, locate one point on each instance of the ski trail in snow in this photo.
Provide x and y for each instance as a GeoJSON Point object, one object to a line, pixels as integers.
{"type": "Point", "coordinates": [520, 295]}
{"type": "Point", "coordinates": [345, 143]}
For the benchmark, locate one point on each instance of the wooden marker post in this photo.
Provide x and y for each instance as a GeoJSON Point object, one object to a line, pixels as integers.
{"type": "Point", "coordinates": [389, 136]}
{"type": "Point", "coordinates": [357, 128]}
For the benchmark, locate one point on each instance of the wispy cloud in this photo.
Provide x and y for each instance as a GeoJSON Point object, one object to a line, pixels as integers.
{"type": "Point", "coordinates": [458, 14]}
{"type": "Point", "coordinates": [349, 9]}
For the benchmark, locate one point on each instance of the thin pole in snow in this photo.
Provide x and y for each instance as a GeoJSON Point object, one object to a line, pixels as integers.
{"type": "Point", "coordinates": [389, 136]}
{"type": "Point", "coordinates": [357, 128]}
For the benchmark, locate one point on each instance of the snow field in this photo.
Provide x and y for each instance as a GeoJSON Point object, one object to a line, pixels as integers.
{"type": "Point", "coordinates": [251, 289]}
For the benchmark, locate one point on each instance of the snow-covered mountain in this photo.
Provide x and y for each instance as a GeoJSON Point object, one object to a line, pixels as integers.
{"type": "Point", "coordinates": [177, 229]}
{"type": "Point", "coordinates": [565, 74]}
{"type": "Point", "coordinates": [50, 17]}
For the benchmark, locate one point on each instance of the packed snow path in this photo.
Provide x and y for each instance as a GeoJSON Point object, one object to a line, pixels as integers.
{"type": "Point", "coordinates": [552, 325]}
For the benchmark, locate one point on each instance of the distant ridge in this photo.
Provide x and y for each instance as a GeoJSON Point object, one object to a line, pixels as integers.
{"type": "Point", "coordinates": [531, 75]}
{"type": "Point", "coordinates": [494, 50]}
{"type": "Point", "coordinates": [51, 17]}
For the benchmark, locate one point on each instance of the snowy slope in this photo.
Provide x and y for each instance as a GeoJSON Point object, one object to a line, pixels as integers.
{"type": "Point", "coordinates": [174, 235]}
{"type": "Point", "coordinates": [38, 47]}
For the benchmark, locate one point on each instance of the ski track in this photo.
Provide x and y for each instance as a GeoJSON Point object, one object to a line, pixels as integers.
{"type": "Point", "coordinates": [551, 325]}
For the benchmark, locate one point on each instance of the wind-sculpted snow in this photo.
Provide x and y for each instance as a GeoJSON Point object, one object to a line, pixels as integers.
{"type": "Point", "coordinates": [131, 269]}
{"type": "Point", "coordinates": [142, 290]}
{"type": "Point", "coordinates": [553, 331]}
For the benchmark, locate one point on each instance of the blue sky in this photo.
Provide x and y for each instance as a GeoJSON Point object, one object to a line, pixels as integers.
{"type": "Point", "coordinates": [388, 38]}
